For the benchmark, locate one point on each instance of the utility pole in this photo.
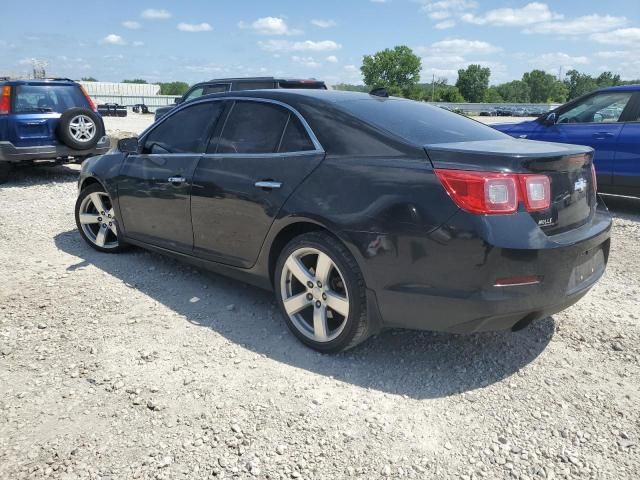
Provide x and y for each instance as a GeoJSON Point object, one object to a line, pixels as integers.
{"type": "Point", "coordinates": [433, 87]}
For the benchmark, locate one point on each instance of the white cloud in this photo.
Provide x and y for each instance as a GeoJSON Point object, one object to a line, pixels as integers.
{"type": "Point", "coordinates": [131, 24]}
{"type": "Point", "coordinates": [194, 27]}
{"type": "Point", "coordinates": [26, 61]}
{"type": "Point", "coordinates": [307, 45]}
{"type": "Point", "coordinates": [138, 43]}
{"type": "Point", "coordinates": [323, 23]}
{"type": "Point", "coordinates": [306, 61]}
{"type": "Point", "coordinates": [352, 68]}
{"type": "Point", "coordinates": [113, 39]}
{"type": "Point", "coordinates": [553, 61]}
{"type": "Point", "coordinates": [270, 26]}
{"type": "Point", "coordinates": [441, 9]}
{"type": "Point", "coordinates": [617, 54]}
{"type": "Point", "coordinates": [531, 13]}
{"type": "Point", "coordinates": [332, 59]}
{"type": "Point", "coordinates": [445, 24]}
{"type": "Point", "coordinates": [622, 36]}
{"type": "Point", "coordinates": [156, 14]}
{"type": "Point", "coordinates": [380, 1]}
{"type": "Point", "coordinates": [579, 26]}
{"type": "Point", "coordinates": [459, 47]}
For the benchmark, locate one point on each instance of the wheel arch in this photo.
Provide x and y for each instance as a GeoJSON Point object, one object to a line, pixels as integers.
{"type": "Point", "coordinates": [88, 181]}
{"type": "Point", "coordinates": [288, 233]}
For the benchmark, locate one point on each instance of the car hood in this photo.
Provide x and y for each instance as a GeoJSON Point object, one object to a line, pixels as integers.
{"type": "Point", "coordinates": [515, 127]}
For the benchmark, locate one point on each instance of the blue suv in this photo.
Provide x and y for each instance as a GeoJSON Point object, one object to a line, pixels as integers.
{"type": "Point", "coordinates": [53, 120]}
{"type": "Point", "coordinates": [607, 120]}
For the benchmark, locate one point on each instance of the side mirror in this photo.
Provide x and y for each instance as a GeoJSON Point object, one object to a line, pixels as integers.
{"type": "Point", "coordinates": [128, 145]}
{"type": "Point", "coordinates": [178, 100]}
{"type": "Point", "coordinates": [550, 119]}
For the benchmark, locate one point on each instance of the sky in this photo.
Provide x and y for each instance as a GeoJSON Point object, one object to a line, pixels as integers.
{"type": "Point", "coordinates": [194, 40]}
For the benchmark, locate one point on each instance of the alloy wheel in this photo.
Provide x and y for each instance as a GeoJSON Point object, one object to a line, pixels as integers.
{"type": "Point", "coordinates": [82, 128]}
{"type": "Point", "coordinates": [97, 220]}
{"type": "Point", "coordinates": [314, 294]}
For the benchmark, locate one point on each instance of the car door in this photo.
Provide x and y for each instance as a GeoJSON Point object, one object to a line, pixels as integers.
{"type": "Point", "coordinates": [254, 162]}
{"type": "Point", "coordinates": [594, 121]}
{"type": "Point", "coordinates": [154, 186]}
{"type": "Point", "coordinates": [626, 174]}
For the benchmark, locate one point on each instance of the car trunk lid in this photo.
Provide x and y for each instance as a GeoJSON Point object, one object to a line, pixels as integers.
{"type": "Point", "coordinates": [573, 193]}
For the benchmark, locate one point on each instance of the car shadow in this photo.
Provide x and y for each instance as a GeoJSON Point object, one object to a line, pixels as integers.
{"type": "Point", "coordinates": [416, 364]}
{"type": "Point", "coordinates": [30, 175]}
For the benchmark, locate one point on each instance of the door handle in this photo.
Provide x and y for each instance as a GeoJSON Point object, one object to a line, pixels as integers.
{"type": "Point", "coordinates": [602, 135]}
{"type": "Point", "coordinates": [176, 180]}
{"type": "Point", "coordinates": [268, 184]}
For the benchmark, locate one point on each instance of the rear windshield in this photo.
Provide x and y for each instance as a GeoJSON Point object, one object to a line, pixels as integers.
{"type": "Point", "coordinates": [48, 98]}
{"type": "Point", "coordinates": [418, 122]}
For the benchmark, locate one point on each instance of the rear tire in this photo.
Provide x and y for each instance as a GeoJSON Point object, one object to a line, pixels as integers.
{"type": "Point", "coordinates": [96, 220]}
{"type": "Point", "coordinates": [321, 293]}
{"type": "Point", "coordinates": [5, 170]}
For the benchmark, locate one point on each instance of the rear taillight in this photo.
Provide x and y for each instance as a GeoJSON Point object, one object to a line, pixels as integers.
{"type": "Point", "coordinates": [594, 177]}
{"type": "Point", "coordinates": [92, 105]}
{"type": "Point", "coordinates": [491, 193]}
{"type": "Point", "coordinates": [5, 100]}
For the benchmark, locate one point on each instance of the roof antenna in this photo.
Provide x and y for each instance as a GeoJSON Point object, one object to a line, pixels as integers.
{"type": "Point", "coordinates": [379, 92]}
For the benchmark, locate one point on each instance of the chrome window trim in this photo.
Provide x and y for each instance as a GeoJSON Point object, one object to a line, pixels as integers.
{"type": "Point", "coordinates": [316, 143]}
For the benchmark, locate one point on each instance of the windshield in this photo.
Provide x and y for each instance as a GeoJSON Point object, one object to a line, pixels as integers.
{"type": "Point", "coordinates": [418, 122]}
{"type": "Point", "coordinates": [48, 98]}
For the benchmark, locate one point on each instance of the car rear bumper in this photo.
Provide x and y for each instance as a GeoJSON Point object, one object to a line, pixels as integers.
{"type": "Point", "coordinates": [447, 281]}
{"type": "Point", "coordinates": [10, 153]}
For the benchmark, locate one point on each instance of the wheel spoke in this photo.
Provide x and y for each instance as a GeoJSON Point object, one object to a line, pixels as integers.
{"type": "Point", "coordinates": [338, 303]}
{"type": "Point", "coordinates": [96, 199]}
{"type": "Point", "coordinates": [294, 304]}
{"type": "Point", "coordinates": [320, 324]}
{"type": "Point", "coordinates": [299, 271]}
{"type": "Point", "coordinates": [113, 228]}
{"type": "Point", "coordinates": [323, 267]}
{"type": "Point", "coordinates": [101, 237]}
{"type": "Point", "coordinates": [87, 218]}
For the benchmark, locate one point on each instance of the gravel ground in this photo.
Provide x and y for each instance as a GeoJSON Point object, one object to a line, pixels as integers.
{"type": "Point", "coordinates": [137, 366]}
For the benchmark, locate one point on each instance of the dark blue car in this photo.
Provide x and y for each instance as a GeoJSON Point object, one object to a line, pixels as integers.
{"type": "Point", "coordinates": [51, 120]}
{"type": "Point", "coordinates": [607, 120]}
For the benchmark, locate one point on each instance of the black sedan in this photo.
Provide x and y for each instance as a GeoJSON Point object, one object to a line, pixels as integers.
{"type": "Point", "coordinates": [361, 212]}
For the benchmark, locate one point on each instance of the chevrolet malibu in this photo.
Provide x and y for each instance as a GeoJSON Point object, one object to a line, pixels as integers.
{"type": "Point", "coordinates": [362, 212]}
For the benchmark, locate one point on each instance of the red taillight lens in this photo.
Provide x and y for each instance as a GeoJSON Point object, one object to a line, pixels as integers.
{"type": "Point", "coordinates": [490, 193]}
{"type": "Point", "coordinates": [481, 192]}
{"type": "Point", "coordinates": [92, 105]}
{"type": "Point", "coordinates": [594, 177]}
{"type": "Point", "coordinates": [536, 190]}
{"type": "Point", "coordinates": [5, 100]}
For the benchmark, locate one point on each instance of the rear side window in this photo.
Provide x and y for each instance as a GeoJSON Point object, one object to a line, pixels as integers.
{"type": "Point", "coordinates": [253, 127]}
{"type": "Point", "coordinates": [252, 85]}
{"type": "Point", "coordinates": [48, 98]}
{"type": "Point", "coordinates": [295, 138]}
{"type": "Point", "coordinates": [186, 131]}
{"type": "Point", "coordinates": [419, 123]}
{"type": "Point", "coordinates": [222, 87]}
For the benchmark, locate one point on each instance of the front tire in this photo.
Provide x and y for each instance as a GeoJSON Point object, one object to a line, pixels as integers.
{"type": "Point", "coordinates": [96, 220]}
{"type": "Point", "coordinates": [5, 170]}
{"type": "Point", "coordinates": [321, 293]}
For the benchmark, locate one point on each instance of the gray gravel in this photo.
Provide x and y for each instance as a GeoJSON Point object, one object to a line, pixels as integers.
{"type": "Point", "coordinates": [111, 369]}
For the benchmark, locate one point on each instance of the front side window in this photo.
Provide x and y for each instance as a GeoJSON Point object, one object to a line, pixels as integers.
{"type": "Point", "coordinates": [48, 98]}
{"type": "Point", "coordinates": [253, 127]}
{"type": "Point", "coordinates": [599, 108]}
{"type": "Point", "coordinates": [218, 88]}
{"type": "Point", "coordinates": [186, 131]}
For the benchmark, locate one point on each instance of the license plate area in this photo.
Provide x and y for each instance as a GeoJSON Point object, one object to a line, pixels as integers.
{"type": "Point", "coordinates": [589, 268]}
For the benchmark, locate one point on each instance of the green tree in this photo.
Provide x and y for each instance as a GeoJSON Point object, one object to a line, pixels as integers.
{"type": "Point", "coordinates": [351, 88]}
{"type": "Point", "coordinates": [89, 79]}
{"type": "Point", "coordinates": [579, 83]}
{"type": "Point", "coordinates": [451, 94]}
{"type": "Point", "coordinates": [608, 79]}
{"type": "Point", "coordinates": [173, 88]}
{"type": "Point", "coordinates": [515, 91]}
{"type": "Point", "coordinates": [473, 82]}
{"type": "Point", "coordinates": [492, 95]}
{"type": "Point", "coordinates": [544, 87]}
{"type": "Point", "coordinates": [135, 80]}
{"type": "Point", "coordinates": [396, 69]}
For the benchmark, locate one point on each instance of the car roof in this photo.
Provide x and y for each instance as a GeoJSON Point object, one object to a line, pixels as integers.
{"type": "Point", "coordinates": [262, 79]}
{"type": "Point", "coordinates": [46, 81]}
{"type": "Point", "coordinates": [621, 88]}
{"type": "Point", "coordinates": [295, 95]}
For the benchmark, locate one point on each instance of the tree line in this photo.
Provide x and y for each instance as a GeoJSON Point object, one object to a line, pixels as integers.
{"type": "Point", "coordinates": [398, 70]}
